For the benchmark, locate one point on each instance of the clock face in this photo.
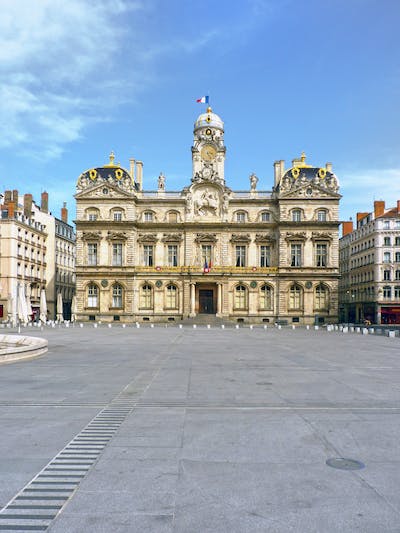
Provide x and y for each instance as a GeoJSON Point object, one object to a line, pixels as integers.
{"type": "Point", "coordinates": [208, 152]}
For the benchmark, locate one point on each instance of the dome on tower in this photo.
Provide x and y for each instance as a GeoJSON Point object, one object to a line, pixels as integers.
{"type": "Point", "coordinates": [209, 119]}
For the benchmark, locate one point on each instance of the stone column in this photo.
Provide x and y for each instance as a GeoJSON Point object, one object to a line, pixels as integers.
{"type": "Point", "coordinates": [192, 299]}
{"type": "Point", "coordinates": [219, 300]}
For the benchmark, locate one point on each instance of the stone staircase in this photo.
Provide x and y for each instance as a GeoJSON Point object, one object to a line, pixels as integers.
{"type": "Point", "coordinates": [205, 319]}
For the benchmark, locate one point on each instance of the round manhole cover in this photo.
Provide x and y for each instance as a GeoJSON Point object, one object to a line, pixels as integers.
{"type": "Point", "coordinates": [344, 464]}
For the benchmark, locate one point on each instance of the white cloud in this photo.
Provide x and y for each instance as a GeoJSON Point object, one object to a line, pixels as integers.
{"type": "Point", "coordinates": [50, 52]}
{"type": "Point", "coordinates": [360, 189]}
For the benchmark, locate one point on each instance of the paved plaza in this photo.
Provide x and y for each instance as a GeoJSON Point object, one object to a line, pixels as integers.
{"type": "Point", "coordinates": [201, 430]}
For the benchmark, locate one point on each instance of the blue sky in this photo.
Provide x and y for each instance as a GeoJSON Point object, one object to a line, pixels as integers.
{"type": "Point", "coordinates": [84, 77]}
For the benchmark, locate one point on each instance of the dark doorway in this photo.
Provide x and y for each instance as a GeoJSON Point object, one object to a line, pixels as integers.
{"type": "Point", "coordinates": [206, 301]}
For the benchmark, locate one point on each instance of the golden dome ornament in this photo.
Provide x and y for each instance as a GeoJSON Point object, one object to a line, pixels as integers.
{"type": "Point", "coordinates": [92, 174]}
{"type": "Point", "coordinates": [322, 173]}
{"type": "Point", "coordinates": [119, 173]}
{"type": "Point", "coordinates": [295, 172]}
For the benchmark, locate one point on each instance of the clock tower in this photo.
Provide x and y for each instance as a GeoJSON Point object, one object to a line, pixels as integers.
{"type": "Point", "coordinates": [208, 150]}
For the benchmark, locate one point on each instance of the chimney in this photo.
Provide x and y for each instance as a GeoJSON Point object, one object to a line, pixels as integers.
{"type": "Point", "coordinates": [44, 205]}
{"type": "Point", "coordinates": [347, 227]}
{"type": "Point", "coordinates": [279, 170]}
{"type": "Point", "coordinates": [7, 197]}
{"type": "Point", "coordinates": [360, 216]}
{"type": "Point", "coordinates": [139, 174]}
{"type": "Point", "coordinates": [64, 213]}
{"type": "Point", "coordinates": [398, 206]}
{"type": "Point", "coordinates": [328, 167]}
{"type": "Point", "coordinates": [132, 169]}
{"type": "Point", "coordinates": [15, 197]}
{"type": "Point", "coordinates": [28, 205]}
{"type": "Point", "coordinates": [379, 208]}
{"type": "Point", "coordinates": [11, 209]}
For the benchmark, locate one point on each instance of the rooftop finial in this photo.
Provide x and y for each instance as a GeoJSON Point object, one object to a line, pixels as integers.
{"type": "Point", "coordinates": [303, 157]}
{"type": "Point", "coordinates": [209, 110]}
{"type": "Point", "coordinates": [112, 157]}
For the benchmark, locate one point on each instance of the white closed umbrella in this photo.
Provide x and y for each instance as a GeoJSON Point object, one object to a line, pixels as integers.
{"type": "Point", "coordinates": [43, 306]}
{"type": "Point", "coordinates": [28, 307]}
{"type": "Point", "coordinates": [22, 309]}
{"type": "Point", "coordinates": [60, 317]}
{"type": "Point", "coordinates": [73, 309]}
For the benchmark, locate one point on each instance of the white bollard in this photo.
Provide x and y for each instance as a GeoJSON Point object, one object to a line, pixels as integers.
{"type": "Point", "coordinates": [137, 325]}
{"type": "Point", "coordinates": [124, 325]}
{"type": "Point", "coordinates": [222, 326]}
{"type": "Point", "coordinates": [345, 329]}
{"type": "Point", "coordinates": [110, 325]}
{"type": "Point", "coordinates": [152, 325]}
{"type": "Point", "coordinates": [316, 327]}
{"type": "Point", "coordinates": [293, 326]}
{"type": "Point", "coordinates": [194, 326]}
{"type": "Point", "coordinates": [307, 327]}
{"type": "Point", "coordinates": [371, 330]}
{"type": "Point", "coordinates": [251, 327]}
{"type": "Point", "coordinates": [95, 325]}
{"type": "Point", "coordinates": [180, 326]}
{"type": "Point", "coordinates": [265, 326]}
{"type": "Point", "coordinates": [67, 324]}
{"type": "Point", "coordinates": [365, 331]}
{"type": "Point", "coordinates": [279, 326]}
{"type": "Point", "coordinates": [208, 326]}
{"type": "Point", "coordinates": [81, 325]}
{"type": "Point", "coordinates": [237, 326]}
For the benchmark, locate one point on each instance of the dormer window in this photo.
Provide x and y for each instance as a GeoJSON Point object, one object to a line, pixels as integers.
{"type": "Point", "coordinates": [240, 216]}
{"type": "Point", "coordinates": [296, 215]}
{"type": "Point", "coordinates": [321, 215]}
{"type": "Point", "coordinates": [265, 216]}
{"type": "Point", "coordinates": [148, 216]}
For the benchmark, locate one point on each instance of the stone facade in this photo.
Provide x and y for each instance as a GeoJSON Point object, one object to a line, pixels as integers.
{"type": "Point", "coordinates": [253, 255]}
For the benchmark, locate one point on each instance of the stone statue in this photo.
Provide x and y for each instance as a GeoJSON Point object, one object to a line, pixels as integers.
{"type": "Point", "coordinates": [161, 182]}
{"type": "Point", "coordinates": [253, 182]}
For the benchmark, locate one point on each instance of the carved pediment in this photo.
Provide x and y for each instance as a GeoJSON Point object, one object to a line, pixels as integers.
{"type": "Point", "coordinates": [117, 236]}
{"type": "Point", "coordinates": [172, 237]}
{"type": "Point", "coordinates": [322, 236]}
{"type": "Point", "coordinates": [91, 236]}
{"type": "Point", "coordinates": [206, 237]}
{"type": "Point", "coordinates": [147, 237]}
{"type": "Point", "coordinates": [103, 190]}
{"type": "Point", "coordinates": [240, 238]}
{"type": "Point", "coordinates": [295, 236]}
{"type": "Point", "coordinates": [264, 237]}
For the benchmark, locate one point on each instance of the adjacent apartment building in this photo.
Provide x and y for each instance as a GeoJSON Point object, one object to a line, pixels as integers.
{"type": "Point", "coordinates": [246, 255]}
{"type": "Point", "coordinates": [369, 287]}
{"type": "Point", "coordinates": [37, 250]}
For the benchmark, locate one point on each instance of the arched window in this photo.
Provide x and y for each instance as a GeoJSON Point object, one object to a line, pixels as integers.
{"type": "Point", "coordinates": [266, 297]}
{"type": "Point", "coordinates": [321, 297]}
{"type": "Point", "coordinates": [117, 295]}
{"type": "Point", "coordinates": [92, 214]}
{"type": "Point", "coordinates": [241, 216]}
{"type": "Point", "coordinates": [148, 216]}
{"type": "Point", "coordinates": [240, 297]}
{"type": "Point", "coordinates": [296, 215]}
{"type": "Point", "coordinates": [321, 215]}
{"type": "Point", "coordinates": [172, 216]}
{"type": "Point", "coordinates": [146, 296]}
{"type": "Point", "coordinates": [265, 216]}
{"type": "Point", "coordinates": [92, 295]}
{"type": "Point", "coordinates": [295, 297]}
{"type": "Point", "coordinates": [171, 297]}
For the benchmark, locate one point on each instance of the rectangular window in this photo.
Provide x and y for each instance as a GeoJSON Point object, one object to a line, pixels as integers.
{"type": "Point", "coordinates": [148, 255]}
{"type": "Point", "coordinates": [321, 255]}
{"type": "Point", "coordinates": [265, 256]}
{"type": "Point", "coordinates": [387, 292]}
{"type": "Point", "coordinates": [397, 275]}
{"type": "Point", "coordinates": [296, 215]}
{"type": "Point", "coordinates": [386, 257]}
{"type": "Point", "coordinates": [206, 251]}
{"type": "Point", "coordinates": [386, 275]}
{"type": "Point", "coordinates": [386, 241]}
{"type": "Point", "coordinates": [397, 241]}
{"type": "Point", "coordinates": [397, 292]}
{"type": "Point", "coordinates": [92, 217]}
{"type": "Point", "coordinates": [265, 217]}
{"type": "Point", "coordinates": [240, 256]}
{"type": "Point", "coordinates": [295, 255]}
{"type": "Point", "coordinates": [117, 254]}
{"type": "Point", "coordinates": [321, 216]}
{"type": "Point", "coordinates": [172, 255]}
{"type": "Point", "coordinates": [240, 217]}
{"type": "Point", "coordinates": [397, 257]}
{"type": "Point", "coordinates": [92, 254]}
{"type": "Point", "coordinates": [117, 216]}
{"type": "Point", "coordinates": [148, 216]}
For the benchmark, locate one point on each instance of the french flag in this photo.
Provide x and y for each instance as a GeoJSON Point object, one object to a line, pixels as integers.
{"type": "Point", "coordinates": [202, 100]}
{"type": "Point", "coordinates": [206, 269]}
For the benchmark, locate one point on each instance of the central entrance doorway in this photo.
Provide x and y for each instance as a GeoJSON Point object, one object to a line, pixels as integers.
{"type": "Point", "coordinates": [206, 301]}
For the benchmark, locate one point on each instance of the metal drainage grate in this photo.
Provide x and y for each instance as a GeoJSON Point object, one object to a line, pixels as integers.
{"type": "Point", "coordinates": [345, 464]}
{"type": "Point", "coordinates": [39, 502]}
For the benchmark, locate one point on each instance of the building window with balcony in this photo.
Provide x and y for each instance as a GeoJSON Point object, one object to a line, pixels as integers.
{"type": "Point", "coordinates": [148, 255]}
{"type": "Point", "coordinates": [240, 252]}
{"type": "Point", "coordinates": [295, 255]}
{"type": "Point", "coordinates": [92, 253]}
{"type": "Point", "coordinates": [387, 291]}
{"type": "Point", "coordinates": [295, 297]}
{"type": "Point", "coordinates": [397, 241]}
{"type": "Point", "coordinates": [266, 297]}
{"type": "Point", "coordinates": [117, 296]}
{"type": "Point", "coordinates": [321, 297]}
{"type": "Point", "coordinates": [117, 254]}
{"type": "Point", "coordinates": [386, 275]}
{"type": "Point", "coordinates": [146, 296]}
{"type": "Point", "coordinates": [321, 255]}
{"type": "Point", "coordinates": [397, 292]}
{"type": "Point", "coordinates": [172, 255]}
{"type": "Point", "coordinates": [92, 295]}
{"type": "Point", "coordinates": [296, 215]}
{"type": "Point", "coordinates": [265, 256]}
{"type": "Point", "coordinates": [386, 257]}
{"type": "Point", "coordinates": [171, 297]}
{"type": "Point", "coordinates": [240, 297]}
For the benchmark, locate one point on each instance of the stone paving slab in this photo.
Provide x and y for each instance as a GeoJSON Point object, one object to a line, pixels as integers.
{"type": "Point", "coordinates": [231, 429]}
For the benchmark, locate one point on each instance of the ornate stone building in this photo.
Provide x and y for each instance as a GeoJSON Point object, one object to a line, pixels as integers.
{"type": "Point", "coordinates": [253, 255]}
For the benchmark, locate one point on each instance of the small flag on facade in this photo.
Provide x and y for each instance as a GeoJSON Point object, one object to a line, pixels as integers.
{"type": "Point", "coordinates": [202, 100]}
{"type": "Point", "coordinates": [206, 269]}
